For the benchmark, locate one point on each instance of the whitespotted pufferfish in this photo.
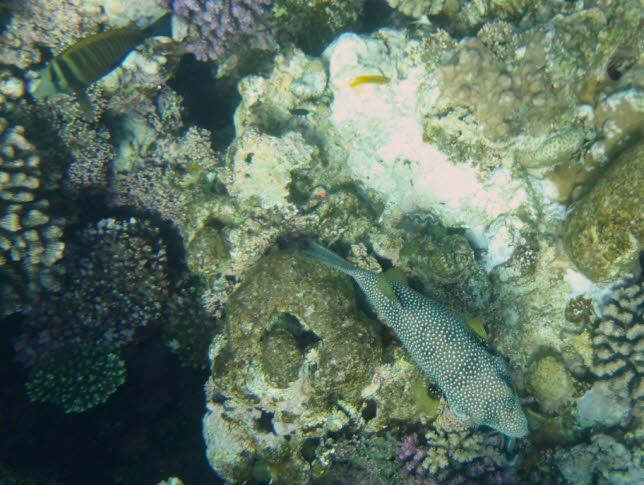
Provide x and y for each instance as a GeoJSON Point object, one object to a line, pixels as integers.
{"type": "Point", "coordinates": [475, 383]}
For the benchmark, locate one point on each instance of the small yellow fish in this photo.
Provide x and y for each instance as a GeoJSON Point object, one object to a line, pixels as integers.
{"type": "Point", "coordinates": [89, 59]}
{"type": "Point", "coordinates": [369, 78]}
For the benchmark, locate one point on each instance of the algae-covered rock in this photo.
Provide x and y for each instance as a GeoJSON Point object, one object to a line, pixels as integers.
{"type": "Point", "coordinates": [453, 259]}
{"type": "Point", "coordinates": [286, 299]}
{"type": "Point", "coordinates": [292, 366]}
{"type": "Point", "coordinates": [605, 230]}
{"type": "Point", "coordinates": [281, 358]}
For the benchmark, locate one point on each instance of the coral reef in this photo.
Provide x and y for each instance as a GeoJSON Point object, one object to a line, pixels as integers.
{"type": "Point", "coordinates": [357, 459]}
{"type": "Point", "coordinates": [166, 169]}
{"type": "Point", "coordinates": [77, 377]}
{"type": "Point", "coordinates": [56, 23]}
{"type": "Point", "coordinates": [316, 22]}
{"type": "Point", "coordinates": [618, 397]}
{"type": "Point", "coordinates": [30, 234]}
{"type": "Point", "coordinates": [380, 122]}
{"type": "Point", "coordinates": [262, 166]}
{"type": "Point", "coordinates": [87, 145]}
{"type": "Point", "coordinates": [604, 231]}
{"type": "Point", "coordinates": [486, 80]}
{"type": "Point", "coordinates": [463, 16]}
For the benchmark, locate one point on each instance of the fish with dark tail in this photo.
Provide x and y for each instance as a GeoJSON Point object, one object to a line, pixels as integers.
{"type": "Point", "coordinates": [89, 59]}
{"type": "Point", "coordinates": [475, 383]}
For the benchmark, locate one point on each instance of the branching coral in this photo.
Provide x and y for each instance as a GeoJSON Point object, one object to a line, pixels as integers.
{"type": "Point", "coordinates": [77, 377]}
{"type": "Point", "coordinates": [116, 281]}
{"type": "Point", "coordinates": [215, 25]}
{"type": "Point", "coordinates": [454, 457]}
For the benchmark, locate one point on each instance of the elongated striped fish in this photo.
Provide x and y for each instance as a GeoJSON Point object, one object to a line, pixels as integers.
{"type": "Point", "coordinates": [89, 59]}
{"type": "Point", "coordinates": [475, 382]}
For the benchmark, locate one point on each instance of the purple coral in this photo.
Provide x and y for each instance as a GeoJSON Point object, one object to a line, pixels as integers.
{"type": "Point", "coordinates": [465, 457]}
{"type": "Point", "coordinates": [215, 24]}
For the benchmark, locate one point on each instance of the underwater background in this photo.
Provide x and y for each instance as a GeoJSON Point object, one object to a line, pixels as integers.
{"type": "Point", "coordinates": [165, 165]}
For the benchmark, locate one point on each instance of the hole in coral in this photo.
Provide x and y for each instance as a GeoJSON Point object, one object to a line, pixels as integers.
{"type": "Point", "coordinates": [265, 422]}
{"type": "Point", "coordinates": [209, 102]}
{"type": "Point", "coordinates": [308, 449]}
{"type": "Point", "coordinates": [370, 410]}
{"type": "Point", "coordinates": [304, 338]}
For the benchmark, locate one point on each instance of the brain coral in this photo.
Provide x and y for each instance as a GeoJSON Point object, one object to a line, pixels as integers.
{"type": "Point", "coordinates": [618, 340]}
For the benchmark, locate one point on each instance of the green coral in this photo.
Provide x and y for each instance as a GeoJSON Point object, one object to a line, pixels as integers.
{"type": "Point", "coordinates": [604, 232]}
{"type": "Point", "coordinates": [77, 377]}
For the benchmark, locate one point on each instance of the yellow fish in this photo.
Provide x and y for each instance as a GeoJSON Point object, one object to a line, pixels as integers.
{"type": "Point", "coordinates": [91, 58]}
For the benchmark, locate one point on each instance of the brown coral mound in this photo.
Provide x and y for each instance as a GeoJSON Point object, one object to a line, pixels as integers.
{"type": "Point", "coordinates": [605, 231]}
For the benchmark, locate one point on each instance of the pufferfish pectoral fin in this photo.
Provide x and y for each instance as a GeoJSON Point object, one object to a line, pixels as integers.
{"type": "Point", "coordinates": [459, 413]}
{"type": "Point", "coordinates": [384, 287]}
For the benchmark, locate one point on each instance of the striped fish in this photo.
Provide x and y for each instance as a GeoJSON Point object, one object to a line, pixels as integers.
{"type": "Point", "coordinates": [89, 59]}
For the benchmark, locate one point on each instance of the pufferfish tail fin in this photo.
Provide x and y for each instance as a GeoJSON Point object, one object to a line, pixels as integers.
{"type": "Point", "coordinates": [323, 255]}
